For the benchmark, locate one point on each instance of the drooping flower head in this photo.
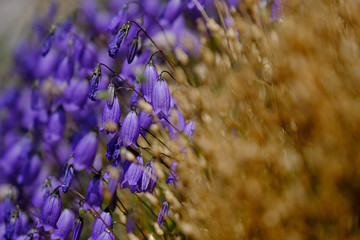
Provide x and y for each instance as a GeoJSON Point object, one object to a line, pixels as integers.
{"type": "Point", "coordinates": [130, 129]}
{"type": "Point", "coordinates": [117, 40]}
{"type": "Point", "coordinates": [68, 177]}
{"type": "Point", "coordinates": [50, 211]}
{"type": "Point", "coordinates": [64, 225]}
{"type": "Point", "coordinates": [111, 116]}
{"type": "Point", "coordinates": [149, 178]}
{"type": "Point", "coordinates": [94, 82]}
{"type": "Point", "coordinates": [94, 193]}
{"type": "Point", "coordinates": [133, 48]}
{"type": "Point", "coordinates": [101, 224]}
{"type": "Point", "coordinates": [85, 152]}
{"type": "Point", "coordinates": [133, 175]}
{"type": "Point", "coordinates": [150, 75]}
{"type": "Point", "coordinates": [161, 98]}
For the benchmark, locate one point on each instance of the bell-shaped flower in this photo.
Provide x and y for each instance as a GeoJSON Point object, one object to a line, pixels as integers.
{"type": "Point", "coordinates": [50, 211]}
{"type": "Point", "coordinates": [160, 100]}
{"type": "Point", "coordinates": [150, 75]}
{"type": "Point", "coordinates": [78, 225]}
{"type": "Point", "coordinates": [94, 194]}
{"type": "Point", "coordinates": [189, 129]}
{"type": "Point", "coordinates": [130, 129]}
{"type": "Point", "coordinates": [163, 213]}
{"type": "Point", "coordinates": [111, 116]}
{"type": "Point", "coordinates": [145, 121]}
{"type": "Point", "coordinates": [133, 175]}
{"type": "Point", "coordinates": [85, 152]}
{"type": "Point", "coordinates": [172, 178]}
{"type": "Point", "coordinates": [68, 177]}
{"type": "Point", "coordinates": [64, 225]}
{"type": "Point", "coordinates": [100, 224]}
{"type": "Point", "coordinates": [56, 126]}
{"type": "Point", "coordinates": [149, 178]}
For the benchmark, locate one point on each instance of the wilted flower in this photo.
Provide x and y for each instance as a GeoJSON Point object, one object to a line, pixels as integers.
{"type": "Point", "coordinates": [119, 37]}
{"type": "Point", "coordinates": [163, 213]}
{"type": "Point", "coordinates": [50, 211]}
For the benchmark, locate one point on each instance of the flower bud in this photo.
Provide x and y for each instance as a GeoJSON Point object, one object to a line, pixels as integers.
{"type": "Point", "coordinates": [149, 178]}
{"type": "Point", "coordinates": [161, 98]}
{"type": "Point", "coordinates": [130, 129]}
{"type": "Point", "coordinates": [163, 213]}
{"type": "Point", "coordinates": [85, 152]}
{"type": "Point", "coordinates": [94, 82]}
{"type": "Point", "coordinates": [132, 50]}
{"type": "Point", "coordinates": [78, 225]}
{"type": "Point", "coordinates": [50, 211]}
{"type": "Point", "coordinates": [111, 94]}
{"type": "Point", "coordinates": [172, 178]}
{"type": "Point", "coordinates": [150, 75]}
{"type": "Point", "coordinates": [48, 41]}
{"type": "Point", "coordinates": [69, 176]}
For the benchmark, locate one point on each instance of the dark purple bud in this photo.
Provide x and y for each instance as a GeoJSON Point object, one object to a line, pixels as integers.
{"type": "Point", "coordinates": [95, 193]}
{"type": "Point", "coordinates": [111, 116]}
{"type": "Point", "coordinates": [111, 94]}
{"type": "Point", "coordinates": [106, 235]}
{"type": "Point", "coordinates": [145, 121]}
{"type": "Point", "coordinates": [85, 151]}
{"type": "Point", "coordinates": [130, 223]}
{"type": "Point", "coordinates": [135, 96]}
{"type": "Point", "coordinates": [133, 175]}
{"type": "Point", "coordinates": [68, 177]}
{"type": "Point", "coordinates": [118, 38]}
{"type": "Point", "coordinates": [275, 11]}
{"type": "Point", "coordinates": [149, 178]}
{"type": "Point", "coordinates": [172, 178]}
{"type": "Point", "coordinates": [111, 146]}
{"type": "Point", "coordinates": [130, 129]}
{"type": "Point", "coordinates": [78, 225]}
{"type": "Point", "coordinates": [94, 82]}
{"type": "Point", "coordinates": [161, 98]}
{"type": "Point", "coordinates": [172, 10]}
{"type": "Point", "coordinates": [10, 224]}
{"type": "Point", "coordinates": [66, 69]}
{"type": "Point", "coordinates": [189, 129]}
{"type": "Point", "coordinates": [64, 225]}
{"type": "Point", "coordinates": [101, 224]}
{"type": "Point", "coordinates": [147, 86]}
{"type": "Point", "coordinates": [163, 213]}
{"type": "Point", "coordinates": [48, 41]}
{"type": "Point", "coordinates": [30, 171]}
{"type": "Point", "coordinates": [50, 211]}
{"type": "Point", "coordinates": [133, 49]}
{"type": "Point", "coordinates": [56, 126]}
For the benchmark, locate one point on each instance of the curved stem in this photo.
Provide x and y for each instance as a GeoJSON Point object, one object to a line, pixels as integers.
{"type": "Point", "coordinates": [164, 71]}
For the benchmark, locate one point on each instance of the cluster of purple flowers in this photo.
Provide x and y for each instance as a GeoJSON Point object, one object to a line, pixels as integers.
{"type": "Point", "coordinates": [76, 80]}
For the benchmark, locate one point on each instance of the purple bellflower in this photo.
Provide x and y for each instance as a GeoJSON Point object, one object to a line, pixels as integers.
{"type": "Point", "coordinates": [10, 223]}
{"type": "Point", "coordinates": [275, 11]}
{"type": "Point", "coordinates": [163, 213]}
{"type": "Point", "coordinates": [85, 152]}
{"type": "Point", "coordinates": [106, 235]}
{"type": "Point", "coordinates": [130, 129]}
{"type": "Point", "coordinates": [161, 98]}
{"type": "Point", "coordinates": [149, 178]}
{"type": "Point", "coordinates": [50, 211]}
{"type": "Point", "coordinates": [68, 177]}
{"type": "Point", "coordinates": [133, 175]}
{"type": "Point", "coordinates": [95, 193]}
{"type": "Point", "coordinates": [78, 225]}
{"type": "Point", "coordinates": [172, 178]}
{"type": "Point", "coordinates": [117, 40]}
{"type": "Point", "coordinates": [101, 224]}
{"type": "Point", "coordinates": [64, 225]}
{"type": "Point", "coordinates": [94, 82]}
{"type": "Point", "coordinates": [111, 116]}
{"type": "Point", "coordinates": [147, 86]}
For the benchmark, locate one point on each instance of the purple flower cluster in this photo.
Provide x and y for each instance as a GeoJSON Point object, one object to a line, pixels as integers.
{"type": "Point", "coordinates": [81, 84]}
